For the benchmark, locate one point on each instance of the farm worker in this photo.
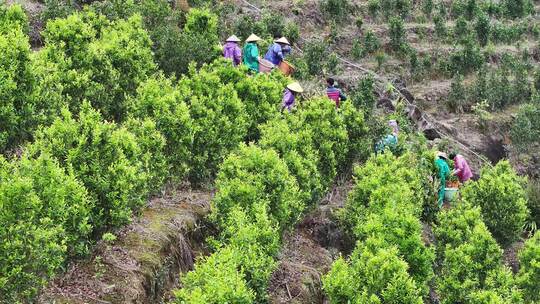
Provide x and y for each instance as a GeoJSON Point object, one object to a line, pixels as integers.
{"type": "Point", "coordinates": [390, 140]}
{"type": "Point", "coordinates": [275, 53]}
{"type": "Point", "coordinates": [290, 94]}
{"type": "Point", "coordinates": [251, 53]}
{"type": "Point", "coordinates": [232, 51]}
{"type": "Point", "coordinates": [461, 167]}
{"type": "Point", "coordinates": [334, 93]}
{"type": "Point", "coordinates": [444, 172]}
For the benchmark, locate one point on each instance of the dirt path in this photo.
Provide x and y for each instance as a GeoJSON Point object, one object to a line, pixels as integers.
{"type": "Point", "coordinates": [309, 251]}
{"type": "Point", "coordinates": [145, 260]}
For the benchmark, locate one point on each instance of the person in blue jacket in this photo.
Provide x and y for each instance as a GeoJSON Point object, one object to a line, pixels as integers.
{"type": "Point", "coordinates": [278, 50]}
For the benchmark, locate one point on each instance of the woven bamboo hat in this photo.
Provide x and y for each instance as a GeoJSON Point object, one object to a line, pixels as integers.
{"type": "Point", "coordinates": [295, 87]}
{"type": "Point", "coordinates": [233, 38]}
{"type": "Point", "coordinates": [283, 40]}
{"type": "Point", "coordinates": [440, 154]}
{"type": "Point", "coordinates": [253, 38]}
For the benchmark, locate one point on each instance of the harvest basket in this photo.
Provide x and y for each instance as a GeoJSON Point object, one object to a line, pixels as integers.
{"type": "Point", "coordinates": [286, 68]}
{"type": "Point", "coordinates": [265, 66]}
{"type": "Point", "coordinates": [450, 194]}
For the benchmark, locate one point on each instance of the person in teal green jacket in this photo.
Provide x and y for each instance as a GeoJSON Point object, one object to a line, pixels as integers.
{"type": "Point", "coordinates": [251, 53]}
{"type": "Point", "coordinates": [444, 173]}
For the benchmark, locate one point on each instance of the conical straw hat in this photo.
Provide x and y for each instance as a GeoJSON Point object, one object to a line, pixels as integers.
{"type": "Point", "coordinates": [233, 38]}
{"type": "Point", "coordinates": [283, 40]}
{"type": "Point", "coordinates": [441, 155]}
{"type": "Point", "coordinates": [253, 38]}
{"type": "Point", "coordinates": [295, 87]}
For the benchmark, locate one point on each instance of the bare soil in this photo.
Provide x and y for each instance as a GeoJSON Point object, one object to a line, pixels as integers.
{"type": "Point", "coordinates": [143, 264]}
{"type": "Point", "coordinates": [309, 251]}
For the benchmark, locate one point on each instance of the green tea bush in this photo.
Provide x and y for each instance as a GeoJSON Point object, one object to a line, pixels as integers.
{"type": "Point", "coordinates": [500, 287]}
{"type": "Point", "coordinates": [253, 175]}
{"type": "Point", "coordinates": [403, 230]}
{"type": "Point", "coordinates": [297, 150]}
{"type": "Point", "coordinates": [216, 279]}
{"type": "Point", "coordinates": [525, 132]}
{"type": "Point", "coordinates": [501, 197]}
{"type": "Point", "coordinates": [336, 10]}
{"type": "Point", "coordinates": [105, 158]}
{"type": "Point", "coordinates": [260, 95]}
{"type": "Point", "coordinates": [99, 61]}
{"type": "Point", "coordinates": [466, 266]}
{"type": "Point", "coordinates": [329, 135]}
{"type": "Point", "coordinates": [152, 154]}
{"type": "Point", "coordinates": [468, 58]}
{"type": "Point", "coordinates": [220, 121]}
{"type": "Point", "coordinates": [533, 200]}
{"type": "Point", "coordinates": [157, 99]}
{"type": "Point", "coordinates": [11, 17]}
{"type": "Point", "coordinates": [256, 239]}
{"type": "Point", "coordinates": [374, 274]}
{"type": "Point", "coordinates": [45, 218]}
{"type": "Point", "coordinates": [274, 24]}
{"type": "Point", "coordinates": [397, 33]}
{"type": "Point", "coordinates": [359, 143]}
{"type": "Point", "coordinates": [517, 8]}
{"type": "Point", "coordinates": [529, 271]}
{"type": "Point", "coordinates": [440, 27]}
{"type": "Point", "coordinates": [482, 28]}
{"type": "Point", "coordinates": [315, 53]}
{"type": "Point", "coordinates": [16, 109]}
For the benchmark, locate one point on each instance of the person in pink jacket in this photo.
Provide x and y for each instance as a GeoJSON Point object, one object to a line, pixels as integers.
{"type": "Point", "coordinates": [461, 167]}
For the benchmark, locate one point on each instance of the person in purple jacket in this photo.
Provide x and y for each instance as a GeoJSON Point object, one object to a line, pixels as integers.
{"type": "Point", "coordinates": [290, 94]}
{"type": "Point", "coordinates": [277, 51]}
{"type": "Point", "coordinates": [232, 51]}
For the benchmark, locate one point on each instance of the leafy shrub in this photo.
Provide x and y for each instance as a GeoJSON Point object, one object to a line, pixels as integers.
{"type": "Point", "coordinates": [427, 8]}
{"type": "Point", "coordinates": [16, 109]}
{"type": "Point", "coordinates": [517, 8]}
{"type": "Point", "coordinates": [200, 30]}
{"type": "Point", "coordinates": [359, 143]}
{"type": "Point", "coordinates": [374, 274]}
{"type": "Point", "coordinates": [100, 61]}
{"type": "Point", "coordinates": [315, 53]}
{"type": "Point", "coordinates": [533, 200]}
{"type": "Point", "coordinates": [468, 58]}
{"type": "Point", "coordinates": [152, 154]}
{"type": "Point", "coordinates": [158, 100]}
{"type": "Point", "coordinates": [105, 158]}
{"type": "Point", "coordinates": [457, 97]}
{"type": "Point", "coordinates": [500, 195]}
{"type": "Point", "coordinates": [45, 218]}
{"type": "Point", "coordinates": [526, 127]}
{"type": "Point", "coordinates": [11, 17]}
{"type": "Point", "coordinates": [403, 230]}
{"type": "Point", "coordinates": [255, 175]}
{"type": "Point", "coordinates": [482, 27]}
{"type": "Point", "coordinates": [440, 27]}
{"type": "Point", "coordinates": [219, 121]}
{"type": "Point", "coordinates": [274, 24]}
{"type": "Point", "coordinates": [336, 10]}
{"type": "Point", "coordinates": [260, 95]}
{"type": "Point", "coordinates": [216, 279]}
{"type": "Point", "coordinates": [530, 269]}
{"type": "Point", "coordinates": [500, 287]}
{"type": "Point", "coordinates": [398, 42]}
{"type": "Point", "coordinates": [257, 242]}
{"type": "Point", "coordinates": [373, 7]}
{"type": "Point", "coordinates": [320, 117]}
{"type": "Point", "coordinates": [297, 150]}
{"type": "Point", "coordinates": [466, 266]}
